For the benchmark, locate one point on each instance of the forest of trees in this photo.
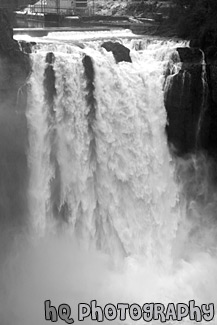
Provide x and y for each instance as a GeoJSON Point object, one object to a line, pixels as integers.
{"type": "Point", "coordinates": [196, 19]}
{"type": "Point", "coordinates": [188, 19]}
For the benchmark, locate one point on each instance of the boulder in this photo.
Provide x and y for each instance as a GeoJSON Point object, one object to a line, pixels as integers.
{"type": "Point", "coordinates": [27, 46]}
{"type": "Point", "coordinates": [189, 56]}
{"type": "Point", "coordinates": [120, 52]}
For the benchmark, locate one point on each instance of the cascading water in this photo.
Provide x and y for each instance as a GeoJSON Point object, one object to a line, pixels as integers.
{"type": "Point", "coordinates": [114, 188]}
{"type": "Point", "coordinates": [107, 215]}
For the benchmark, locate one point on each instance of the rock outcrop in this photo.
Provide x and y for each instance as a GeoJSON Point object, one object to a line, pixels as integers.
{"type": "Point", "coordinates": [191, 102]}
{"type": "Point", "coordinates": [207, 41]}
{"type": "Point", "coordinates": [49, 82]}
{"type": "Point", "coordinates": [90, 76]}
{"type": "Point", "coordinates": [210, 117]}
{"type": "Point", "coordinates": [15, 68]}
{"type": "Point", "coordinates": [14, 64]}
{"type": "Point", "coordinates": [185, 102]}
{"type": "Point", "coordinates": [120, 52]}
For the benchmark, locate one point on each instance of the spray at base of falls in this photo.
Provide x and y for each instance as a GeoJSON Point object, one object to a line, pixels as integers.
{"type": "Point", "coordinates": [108, 220]}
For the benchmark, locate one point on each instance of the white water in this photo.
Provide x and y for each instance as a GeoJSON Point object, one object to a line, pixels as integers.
{"type": "Point", "coordinates": [131, 234]}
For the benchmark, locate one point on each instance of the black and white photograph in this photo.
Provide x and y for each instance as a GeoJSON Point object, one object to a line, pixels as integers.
{"type": "Point", "coordinates": [108, 162]}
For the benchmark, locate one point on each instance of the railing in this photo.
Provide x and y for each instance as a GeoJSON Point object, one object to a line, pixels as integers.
{"type": "Point", "coordinates": [15, 4]}
{"type": "Point", "coordinates": [43, 6]}
{"type": "Point", "coordinates": [59, 11]}
{"type": "Point", "coordinates": [60, 7]}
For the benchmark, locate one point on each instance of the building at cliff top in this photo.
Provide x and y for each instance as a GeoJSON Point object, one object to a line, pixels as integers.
{"type": "Point", "coordinates": [65, 7]}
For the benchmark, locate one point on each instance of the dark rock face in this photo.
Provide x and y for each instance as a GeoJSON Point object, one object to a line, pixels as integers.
{"type": "Point", "coordinates": [120, 52]}
{"type": "Point", "coordinates": [14, 70]}
{"type": "Point", "coordinates": [185, 102]}
{"type": "Point", "coordinates": [207, 41]}
{"type": "Point", "coordinates": [190, 56]}
{"type": "Point", "coordinates": [14, 64]}
{"type": "Point", "coordinates": [49, 82]}
{"type": "Point", "coordinates": [6, 32]}
{"type": "Point", "coordinates": [191, 102]}
{"type": "Point", "coordinates": [211, 113]}
{"type": "Point", "coordinates": [90, 76]}
{"type": "Point", "coordinates": [27, 46]}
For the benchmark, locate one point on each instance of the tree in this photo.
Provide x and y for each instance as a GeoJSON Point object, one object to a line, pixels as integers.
{"type": "Point", "coordinates": [195, 17]}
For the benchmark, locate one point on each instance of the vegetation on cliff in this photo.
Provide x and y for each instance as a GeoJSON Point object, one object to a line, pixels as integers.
{"type": "Point", "coordinates": [125, 7]}
{"type": "Point", "coordinates": [191, 19]}
{"type": "Point", "coordinates": [196, 19]}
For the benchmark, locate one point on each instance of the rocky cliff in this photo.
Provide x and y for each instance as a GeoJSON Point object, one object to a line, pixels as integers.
{"type": "Point", "coordinates": [191, 103]}
{"type": "Point", "coordinates": [15, 69]}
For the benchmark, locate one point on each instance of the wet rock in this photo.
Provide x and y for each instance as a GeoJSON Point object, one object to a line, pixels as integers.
{"type": "Point", "coordinates": [15, 68]}
{"type": "Point", "coordinates": [211, 113]}
{"type": "Point", "coordinates": [6, 33]}
{"type": "Point", "coordinates": [204, 39]}
{"type": "Point", "coordinates": [80, 45]}
{"type": "Point", "coordinates": [14, 65]}
{"type": "Point", "coordinates": [89, 74]}
{"type": "Point", "coordinates": [190, 56]}
{"type": "Point", "coordinates": [213, 81]}
{"type": "Point", "coordinates": [120, 52]}
{"type": "Point", "coordinates": [90, 97]}
{"type": "Point", "coordinates": [208, 38]}
{"type": "Point", "coordinates": [185, 100]}
{"type": "Point", "coordinates": [13, 73]}
{"type": "Point", "coordinates": [191, 101]}
{"type": "Point", "coordinates": [27, 46]}
{"type": "Point", "coordinates": [49, 82]}
{"type": "Point", "coordinates": [194, 43]}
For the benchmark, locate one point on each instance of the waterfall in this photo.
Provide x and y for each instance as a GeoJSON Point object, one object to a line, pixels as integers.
{"type": "Point", "coordinates": [108, 210]}
{"type": "Point", "coordinates": [103, 159]}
